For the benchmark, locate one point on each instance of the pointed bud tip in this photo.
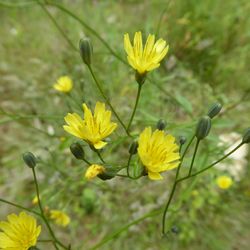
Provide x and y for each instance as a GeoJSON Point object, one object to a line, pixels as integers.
{"type": "Point", "coordinates": [203, 127]}
{"type": "Point", "coordinates": [133, 148]}
{"type": "Point", "coordinates": [77, 150]}
{"type": "Point", "coordinates": [182, 140]}
{"type": "Point", "coordinates": [29, 159]}
{"type": "Point", "coordinates": [161, 124]}
{"type": "Point", "coordinates": [246, 136]}
{"type": "Point", "coordinates": [214, 110]}
{"type": "Point", "coordinates": [86, 50]}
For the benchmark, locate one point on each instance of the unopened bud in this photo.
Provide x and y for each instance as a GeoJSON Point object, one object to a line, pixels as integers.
{"type": "Point", "coordinates": [77, 150]}
{"type": "Point", "coordinates": [161, 124]}
{"type": "Point", "coordinates": [109, 173]}
{"type": "Point", "coordinates": [29, 159]}
{"type": "Point", "coordinates": [182, 140]}
{"type": "Point", "coordinates": [214, 110]}
{"type": "Point", "coordinates": [140, 78]}
{"type": "Point", "coordinates": [133, 148]}
{"type": "Point", "coordinates": [203, 127]}
{"type": "Point", "coordinates": [246, 136]}
{"type": "Point", "coordinates": [86, 50]}
{"type": "Point", "coordinates": [175, 229]}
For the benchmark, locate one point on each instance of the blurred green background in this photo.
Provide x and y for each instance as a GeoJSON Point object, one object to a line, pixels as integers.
{"type": "Point", "coordinates": [208, 61]}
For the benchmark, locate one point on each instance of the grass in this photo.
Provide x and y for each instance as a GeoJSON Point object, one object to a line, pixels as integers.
{"type": "Point", "coordinates": [208, 61]}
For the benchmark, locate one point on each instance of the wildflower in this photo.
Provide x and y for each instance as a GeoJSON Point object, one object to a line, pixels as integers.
{"type": "Point", "coordinates": [94, 128]}
{"type": "Point", "coordinates": [93, 171]}
{"type": "Point", "coordinates": [63, 84]}
{"type": "Point", "coordinates": [224, 182]}
{"type": "Point", "coordinates": [35, 200]}
{"type": "Point", "coordinates": [147, 58]}
{"type": "Point", "coordinates": [20, 232]}
{"type": "Point", "coordinates": [60, 218]}
{"type": "Point", "coordinates": [158, 152]}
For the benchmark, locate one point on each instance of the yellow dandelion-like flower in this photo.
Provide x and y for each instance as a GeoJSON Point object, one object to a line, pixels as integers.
{"type": "Point", "coordinates": [224, 182]}
{"type": "Point", "coordinates": [93, 171]}
{"type": "Point", "coordinates": [63, 84]}
{"type": "Point", "coordinates": [147, 58]}
{"type": "Point", "coordinates": [158, 152]}
{"type": "Point", "coordinates": [94, 128]}
{"type": "Point", "coordinates": [59, 217]}
{"type": "Point", "coordinates": [20, 232]}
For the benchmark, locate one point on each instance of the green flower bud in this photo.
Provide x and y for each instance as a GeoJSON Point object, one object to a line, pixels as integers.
{"type": "Point", "coordinates": [182, 140]}
{"type": "Point", "coordinates": [175, 230]}
{"type": "Point", "coordinates": [214, 110]}
{"type": "Point", "coordinates": [77, 150]}
{"type": "Point", "coordinates": [140, 78]}
{"type": "Point", "coordinates": [86, 50]}
{"type": "Point", "coordinates": [161, 124]}
{"type": "Point", "coordinates": [246, 136]}
{"type": "Point", "coordinates": [133, 148]}
{"type": "Point", "coordinates": [29, 159]}
{"type": "Point", "coordinates": [203, 127]}
{"type": "Point", "coordinates": [110, 173]}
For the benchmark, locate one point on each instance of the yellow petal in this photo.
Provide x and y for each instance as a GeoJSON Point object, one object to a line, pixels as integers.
{"type": "Point", "coordinates": [100, 144]}
{"type": "Point", "coordinates": [154, 176]}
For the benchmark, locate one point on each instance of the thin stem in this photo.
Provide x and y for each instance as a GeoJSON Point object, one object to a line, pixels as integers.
{"type": "Point", "coordinates": [106, 99]}
{"type": "Point", "coordinates": [193, 158]}
{"type": "Point", "coordinates": [124, 228]}
{"type": "Point", "coordinates": [88, 28]}
{"type": "Point", "coordinates": [186, 149]}
{"type": "Point", "coordinates": [100, 156]}
{"type": "Point", "coordinates": [57, 26]}
{"type": "Point", "coordinates": [86, 161]}
{"type": "Point", "coordinates": [128, 164]}
{"type": "Point", "coordinates": [19, 206]}
{"type": "Point", "coordinates": [135, 107]}
{"type": "Point", "coordinates": [42, 213]}
{"type": "Point", "coordinates": [211, 165]}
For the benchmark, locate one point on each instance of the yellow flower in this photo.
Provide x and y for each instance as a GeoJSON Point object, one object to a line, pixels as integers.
{"type": "Point", "coordinates": [60, 218]}
{"type": "Point", "coordinates": [93, 171]}
{"type": "Point", "coordinates": [35, 200]}
{"type": "Point", "coordinates": [19, 233]}
{"type": "Point", "coordinates": [224, 182]}
{"type": "Point", "coordinates": [94, 128]}
{"type": "Point", "coordinates": [147, 58]}
{"type": "Point", "coordinates": [158, 152]}
{"type": "Point", "coordinates": [63, 84]}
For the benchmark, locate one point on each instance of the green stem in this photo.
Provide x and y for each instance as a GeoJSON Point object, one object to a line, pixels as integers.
{"type": "Point", "coordinates": [211, 165]}
{"type": "Point", "coordinates": [124, 228]}
{"type": "Point", "coordinates": [135, 107]}
{"type": "Point", "coordinates": [57, 26]}
{"type": "Point", "coordinates": [106, 99]}
{"type": "Point", "coordinates": [43, 215]}
{"type": "Point", "coordinates": [86, 161]}
{"type": "Point", "coordinates": [88, 28]}
{"type": "Point", "coordinates": [128, 164]}
{"type": "Point", "coordinates": [19, 206]}
{"type": "Point", "coordinates": [174, 186]}
{"type": "Point", "coordinates": [193, 158]}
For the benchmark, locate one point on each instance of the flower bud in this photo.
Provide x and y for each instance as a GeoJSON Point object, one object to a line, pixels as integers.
{"type": "Point", "coordinates": [133, 148]}
{"type": "Point", "coordinates": [214, 110]}
{"type": "Point", "coordinates": [175, 229]}
{"type": "Point", "coordinates": [203, 127]}
{"type": "Point", "coordinates": [182, 140]}
{"type": "Point", "coordinates": [140, 78]}
{"type": "Point", "coordinates": [29, 159]}
{"type": "Point", "coordinates": [86, 50]}
{"type": "Point", "coordinates": [77, 150]}
{"type": "Point", "coordinates": [109, 173]}
{"type": "Point", "coordinates": [161, 124]}
{"type": "Point", "coordinates": [246, 136]}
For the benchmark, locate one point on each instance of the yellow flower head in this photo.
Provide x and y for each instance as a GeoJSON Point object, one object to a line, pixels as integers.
{"type": "Point", "coordinates": [60, 218]}
{"type": "Point", "coordinates": [147, 58]}
{"type": "Point", "coordinates": [94, 128]}
{"type": "Point", "coordinates": [158, 152]}
{"type": "Point", "coordinates": [63, 84]}
{"type": "Point", "coordinates": [224, 182]}
{"type": "Point", "coordinates": [93, 171]}
{"type": "Point", "coordinates": [20, 232]}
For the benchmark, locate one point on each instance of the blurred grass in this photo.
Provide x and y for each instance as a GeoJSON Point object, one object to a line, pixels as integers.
{"type": "Point", "coordinates": [208, 61]}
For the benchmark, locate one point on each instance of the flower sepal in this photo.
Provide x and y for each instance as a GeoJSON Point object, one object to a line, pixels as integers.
{"type": "Point", "coordinates": [110, 173]}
